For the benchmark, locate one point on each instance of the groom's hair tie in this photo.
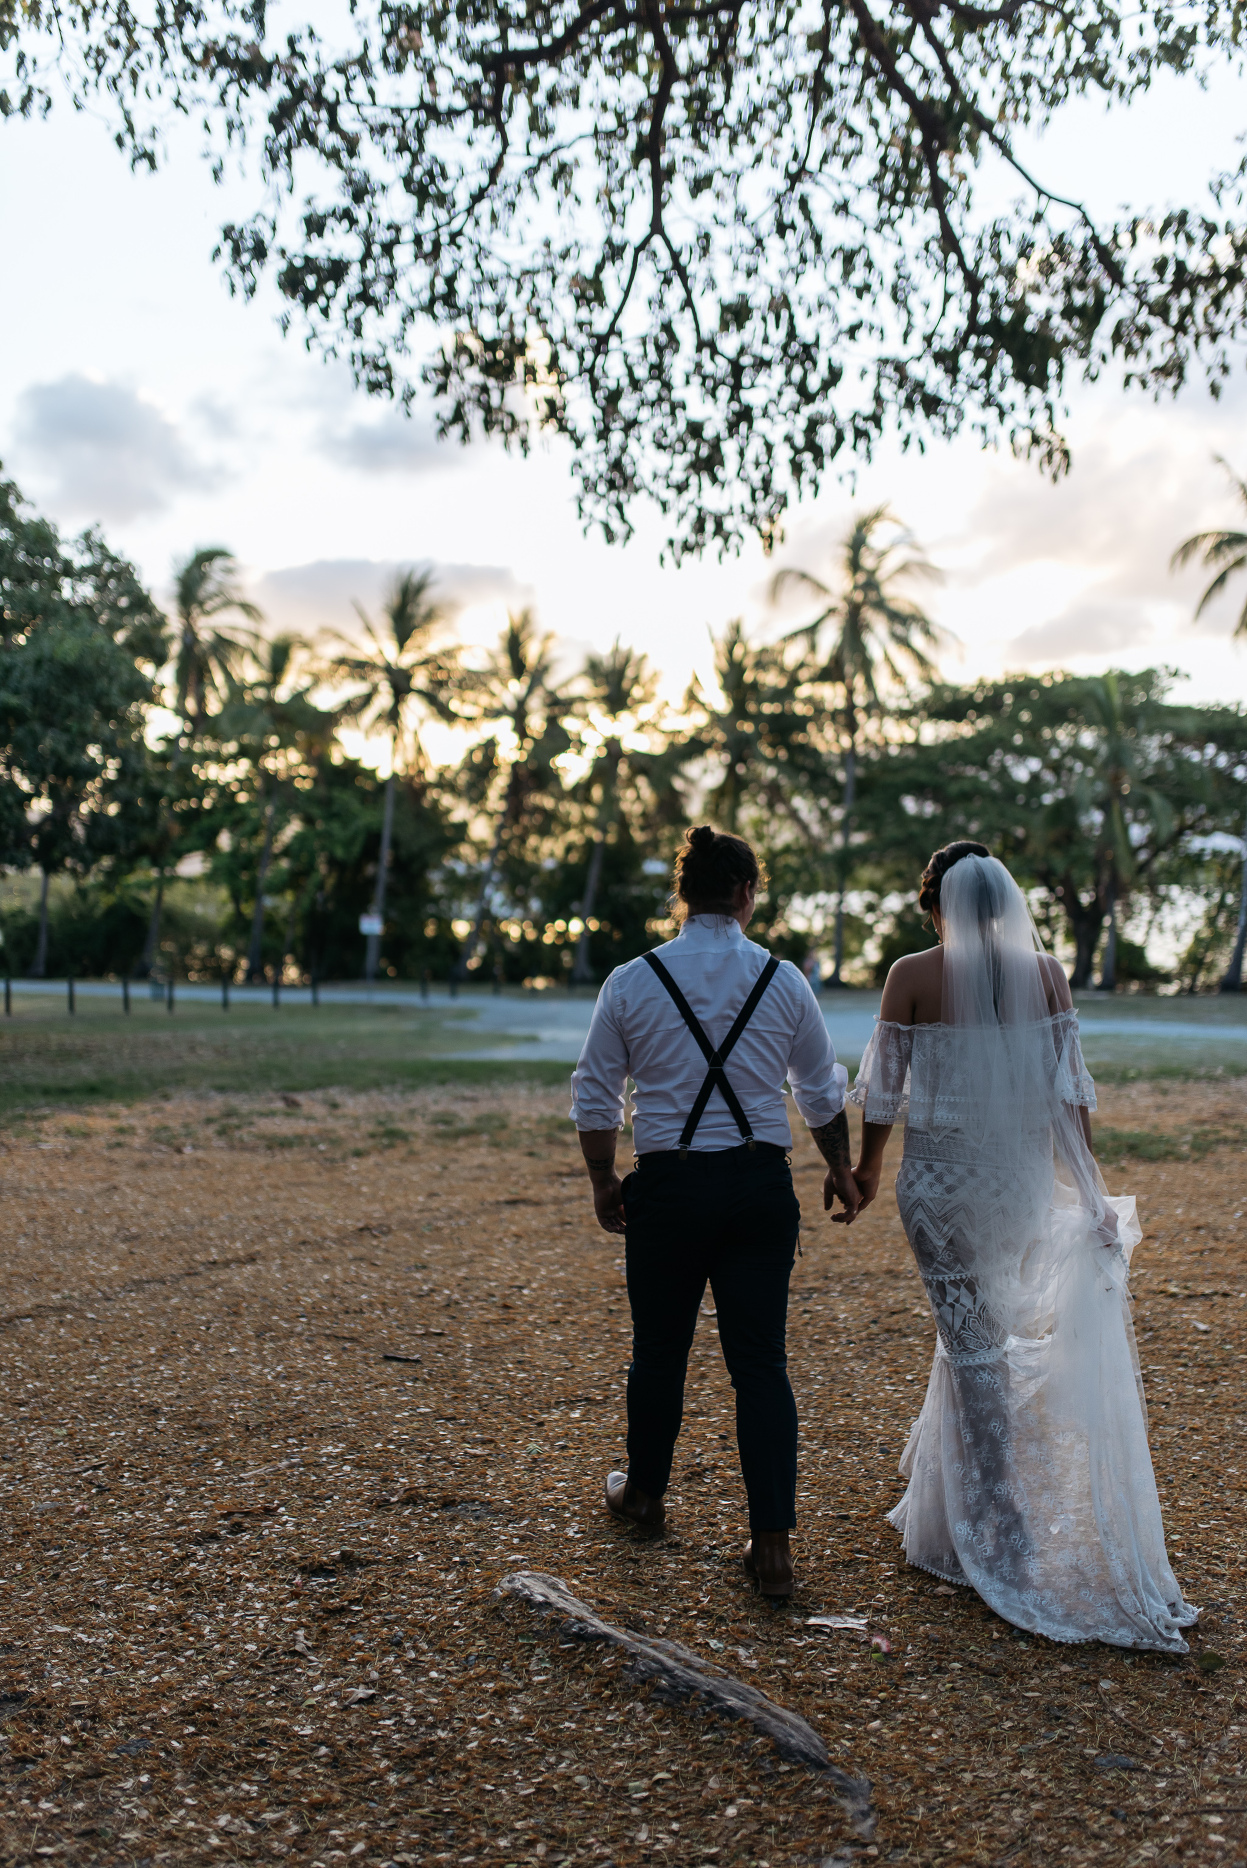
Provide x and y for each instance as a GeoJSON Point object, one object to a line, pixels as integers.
{"type": "Point", "coordinates": [710, 866]}
{"type": "Point", "coordinates": [938, 868]}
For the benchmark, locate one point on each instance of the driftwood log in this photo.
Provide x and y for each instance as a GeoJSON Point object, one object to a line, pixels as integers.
{"type": "Point", "coordinates": [682, 1675]}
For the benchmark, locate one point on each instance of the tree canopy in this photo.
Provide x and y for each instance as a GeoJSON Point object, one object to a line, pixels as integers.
{"type": "Point", "coordinates": [221, 827]}
{"type": "Point", "coordinates": [719, 247]}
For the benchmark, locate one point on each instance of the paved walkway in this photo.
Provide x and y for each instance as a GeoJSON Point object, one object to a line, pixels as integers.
{"type": "Point", "coordinates": [551, 1026]}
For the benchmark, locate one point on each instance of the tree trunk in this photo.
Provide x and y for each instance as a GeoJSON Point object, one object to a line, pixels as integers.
{"type": "Point", "coordinates": [1108, 966]}
{"type": "Point", "coordinates": [151, 945]}
{"type": "Point", "coordinates": [40, 966]}
{"type": "Point", "coordinates": [850, 788]}
{"type": "Point", "coordinates": [255, 952]}
{"type": "Point", "coordinates": [372, 953]}
{"type": "Point", "coordinates": [1085, 923]}
{"type": "Point", "coordinates": [482, 901]}
{"type": "Point", "coordinates": [1232, 978]}
{"type": "Point", "coordinates": [582, 972]}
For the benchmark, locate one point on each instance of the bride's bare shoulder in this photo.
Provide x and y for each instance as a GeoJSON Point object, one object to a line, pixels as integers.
{"type": "Point", "coordinates": [1056, 986]}
{"type": "Point", "coordinates": [913, 987]}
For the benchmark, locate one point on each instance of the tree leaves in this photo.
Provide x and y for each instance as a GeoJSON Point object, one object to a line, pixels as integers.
{"type": "Point", "coordinates": [719, 249]}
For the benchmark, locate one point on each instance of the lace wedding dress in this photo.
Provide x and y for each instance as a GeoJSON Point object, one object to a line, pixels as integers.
{"type": "Point", "coordinates": [1029, 1473]}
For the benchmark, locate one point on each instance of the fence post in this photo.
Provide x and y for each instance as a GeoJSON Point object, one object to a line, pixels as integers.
{"type": "Point", "coordinates": [8, 997]}
{"type": "Point", "coordinates": [225, 992]}
{"type": "Point", "coordinates": [125, 992]}
{"type": "Point", "coordinates": [69, 991]}
{"type": "Point", "coordinates": [276, 991]}
{"type": "Point", "coordinates": [169, 995]}
{"type": "Point", "coordinates": [315, 990]}
{"type": "Point", "coordinates": [424, 983]}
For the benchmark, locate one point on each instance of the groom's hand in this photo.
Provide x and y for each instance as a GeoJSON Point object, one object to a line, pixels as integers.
{"type": "Point", "coordinates": [839, 1184]}
{"type": "Point", "coordinates": [598, 1148]}
{"type": "Point", "coordinates": [608, 1202]}
{"type": "Point", "coordinates": [832, 1141]}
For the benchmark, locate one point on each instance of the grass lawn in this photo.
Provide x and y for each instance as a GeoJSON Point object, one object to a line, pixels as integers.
{"type": "Point", "coordinates": [103, 1055]}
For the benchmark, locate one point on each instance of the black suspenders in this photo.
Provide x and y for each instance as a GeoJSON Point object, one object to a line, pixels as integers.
{"type": "Point", "coordinates": [715, 1059]}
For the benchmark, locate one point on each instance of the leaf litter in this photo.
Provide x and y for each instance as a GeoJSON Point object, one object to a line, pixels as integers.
{"type": "Point", "coordinates": [250, 1563]}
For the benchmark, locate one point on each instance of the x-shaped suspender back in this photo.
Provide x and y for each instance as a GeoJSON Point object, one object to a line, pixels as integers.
{"type": "Point", "coordinates": [714, 1059]}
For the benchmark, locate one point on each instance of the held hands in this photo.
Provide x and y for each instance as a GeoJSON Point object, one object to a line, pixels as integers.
{"type": "Point", "coordinates": [839, 1184]}
{"type": "Point", "coordinates": [867, 1180]}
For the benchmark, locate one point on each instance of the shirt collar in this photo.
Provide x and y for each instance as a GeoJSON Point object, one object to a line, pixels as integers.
{"type": "Point", "coordinates": [703, 930]}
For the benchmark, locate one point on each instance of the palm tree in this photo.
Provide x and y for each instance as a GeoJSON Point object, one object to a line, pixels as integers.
{"type": "Point", "coordinates": [1122, 795]}
{"type": "Point", "coordinates": [205, 589]}
{"type": "Point", "coordinates": [206, 657]}
{"type": "Point", "coordinates": [513, 690]}
{"type": "Point", "coordinates": [405, 671]}
{"type": "Point", "coordinates": [875, 630]}
{"type": "Point", "coordinates": [276, 727]}
{"type": "Point", "coordinates": [618, 687]}
{"type": "Point", "coordinates": [1228, 550]}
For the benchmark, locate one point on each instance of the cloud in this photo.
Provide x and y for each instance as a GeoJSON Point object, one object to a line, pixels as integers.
{"type": "Point", "coordinates": [1092, 628]}
{"type": "Point", "coordinates": [396, 443]}
{"type": "Point", "coordinates": [1129, 500]}
{"type": "Point", "coordinates": [322, 595]}
{"type": "Point", "coordinates": [107, 452]}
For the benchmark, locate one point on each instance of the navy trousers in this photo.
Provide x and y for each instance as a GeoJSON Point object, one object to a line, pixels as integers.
{"type": "Point", "coordinates": [728, 1217]}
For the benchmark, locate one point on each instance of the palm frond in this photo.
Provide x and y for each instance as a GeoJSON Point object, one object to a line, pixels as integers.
{"type": "Point", "coordinates": [1219, 583]}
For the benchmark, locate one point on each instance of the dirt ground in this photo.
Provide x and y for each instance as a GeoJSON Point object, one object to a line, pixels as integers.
{"type": "Point", "coordinates": [290, 1384]}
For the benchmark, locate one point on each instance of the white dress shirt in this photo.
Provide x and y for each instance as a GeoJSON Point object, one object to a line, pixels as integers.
{"type": "Point", "coordinates": [637, 1032]}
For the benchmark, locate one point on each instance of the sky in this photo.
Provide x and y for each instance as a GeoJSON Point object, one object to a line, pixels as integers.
{"type": "Point", "coordinates": [134, 392]}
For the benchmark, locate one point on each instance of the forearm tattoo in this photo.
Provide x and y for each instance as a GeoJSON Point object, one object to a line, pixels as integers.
{"type": "Point", "coordinates": [832, 1141]}
{"type": "Point", "coordinates": [600, 1164]}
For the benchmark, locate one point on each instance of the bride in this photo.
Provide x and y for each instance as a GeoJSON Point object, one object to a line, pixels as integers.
{"type": "Point", "coordinates": [1029, 1472]}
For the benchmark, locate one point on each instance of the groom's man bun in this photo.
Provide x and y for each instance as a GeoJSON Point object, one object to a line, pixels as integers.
{"type": "Point", "coordinates": [938, 868]}
{"type": "Point", "coordinates": [710, 866]}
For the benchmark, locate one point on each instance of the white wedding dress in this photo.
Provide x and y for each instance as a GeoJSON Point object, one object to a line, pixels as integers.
{"type": "Point", "coordinates": [1029, 1473]}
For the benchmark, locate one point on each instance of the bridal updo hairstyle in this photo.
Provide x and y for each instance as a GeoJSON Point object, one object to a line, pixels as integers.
{"type": "Point", "coordinates": [710, 866]}
{"type": "Point", "coordinates": [938, 868]}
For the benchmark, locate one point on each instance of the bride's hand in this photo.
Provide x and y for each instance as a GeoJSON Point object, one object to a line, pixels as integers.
{"type": "Point", "coordinates": [1106, 1232]}
{"type": "Point", "coordinates": [867, 1185]}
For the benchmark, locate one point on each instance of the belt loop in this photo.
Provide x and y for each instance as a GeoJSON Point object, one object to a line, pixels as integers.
{"type": "Point", "coordinates": [684, 1154]}
{"type": "Point", "coordinates": [749, 1142]}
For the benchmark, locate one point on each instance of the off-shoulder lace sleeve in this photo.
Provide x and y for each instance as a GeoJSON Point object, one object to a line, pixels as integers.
{"type": "Point", "coordinates": [1074, 1081]}
{"type": "Point", "coordinates": [881, 1089]}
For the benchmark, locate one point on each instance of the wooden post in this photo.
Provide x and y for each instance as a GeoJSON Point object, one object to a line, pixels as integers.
{"type": "Point", "coordinates": [69, 992]}
{"type": "Point", "coordinates": [169, 995]}
{"type": "Point", "coordinates": [125, 993]}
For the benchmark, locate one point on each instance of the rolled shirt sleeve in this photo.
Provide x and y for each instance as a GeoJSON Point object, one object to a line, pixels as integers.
{"type": "Point", "coordinates": [600, 1079]}
{"type": "Point", "coordinates": [818, 1082]}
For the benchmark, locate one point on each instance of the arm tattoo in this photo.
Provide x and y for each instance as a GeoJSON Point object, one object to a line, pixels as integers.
{"type": "Point", "coordinates": [600, 1164]}
{"type": "Point", "coordinates": [832, 1141]}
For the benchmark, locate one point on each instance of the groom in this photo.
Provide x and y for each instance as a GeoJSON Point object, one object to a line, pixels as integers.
{"type": "Point", "coordinates": [709, 1026]}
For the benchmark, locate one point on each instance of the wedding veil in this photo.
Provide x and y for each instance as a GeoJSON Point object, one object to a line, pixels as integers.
{"type": "Point", "coordinates": [1016, 1063]}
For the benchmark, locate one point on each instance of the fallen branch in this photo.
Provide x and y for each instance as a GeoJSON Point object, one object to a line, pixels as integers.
{"type": "Point", "coordinates": [683, 1675]}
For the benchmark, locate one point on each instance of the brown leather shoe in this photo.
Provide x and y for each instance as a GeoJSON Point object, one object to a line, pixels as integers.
{"type": "Point", "coordinates": [769, 1561]}
{"type": "Point", "coordinates": [628, 1502]}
